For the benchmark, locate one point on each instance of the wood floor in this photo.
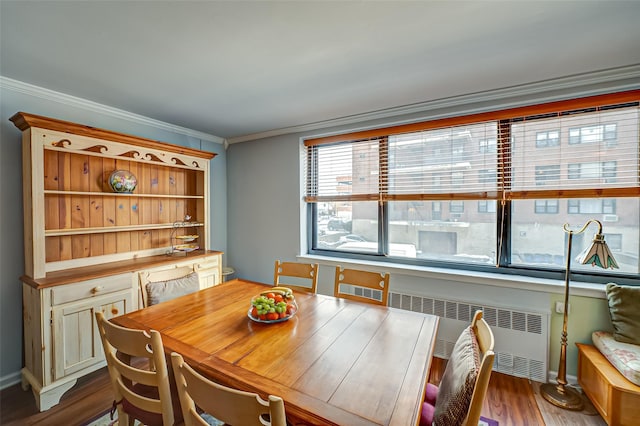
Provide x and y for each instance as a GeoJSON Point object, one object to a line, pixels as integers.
{"type": "Point", "coordinates": [510, 400]}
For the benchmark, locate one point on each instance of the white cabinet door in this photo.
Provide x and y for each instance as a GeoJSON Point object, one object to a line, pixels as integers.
{"type": "Point", "coordinates": [75, 336]}
{"type": "Point", "coordinates": [208, 270]}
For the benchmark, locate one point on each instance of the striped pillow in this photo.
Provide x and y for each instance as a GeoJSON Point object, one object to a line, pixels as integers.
{"type": "Point", "coordinates": [458, 380]}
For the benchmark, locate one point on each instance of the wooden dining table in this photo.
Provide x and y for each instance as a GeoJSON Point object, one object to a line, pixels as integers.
{"type": "Point", "coordinates": [335, 362]}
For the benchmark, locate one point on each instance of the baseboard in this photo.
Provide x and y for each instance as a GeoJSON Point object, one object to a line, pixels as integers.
{"type": "Point", "coordinates": [571, 380]}
{"type": "Point", "coordinates": [10, 380]}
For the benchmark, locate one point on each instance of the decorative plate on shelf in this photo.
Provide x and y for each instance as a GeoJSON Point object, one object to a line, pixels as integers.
{"type": "Point", "coordinates": [272, 306]}
{"type": "Point", "coordinates": [122, 181]}
{"type": "Point", "coordinates": [186, 247]}
{"type": "Point", "coordinates": [186, 238]}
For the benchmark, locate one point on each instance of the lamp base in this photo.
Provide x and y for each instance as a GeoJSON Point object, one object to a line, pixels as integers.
{"type": "Point", "coordinates": [562, 396]}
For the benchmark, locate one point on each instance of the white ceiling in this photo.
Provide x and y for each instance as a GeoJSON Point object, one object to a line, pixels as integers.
{"type": "Point", "coordinates": [239, 68]}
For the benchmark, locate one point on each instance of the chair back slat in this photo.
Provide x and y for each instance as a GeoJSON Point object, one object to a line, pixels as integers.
{"type": "Point", "coordinates": [145, 393]}
{"type": "Point", "coordinates": [304, 273]}
{"type": "Point", "coordinates": [363, 279]}
{"type": "Point", "coordinates": [228, 405]}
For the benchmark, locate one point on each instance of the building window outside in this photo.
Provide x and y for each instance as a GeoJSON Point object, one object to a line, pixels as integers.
{"type": "Point", "coordinates": [485, 206]}
{"type": "Point", "coordinates": [593, 134]}
{"type": "Point", "coordinates": [487, 176]}
{"type": "Point", "coordinates": [547, 173]}
{"type": "Point", "coordinates": [596, 170]}
{"type": "Point", "coordinates": [546, 206]}
{"type": "Point", "coordinates": [609, 171]}
{"type": "Point", "coordinates": [488, 146]}
{"type": "Point", "coordinates": [592, 206]}
{"type": "Point", "coordinates": [547, 138]}
{"type": "Point", "coordinates": [436, 210]}
{"type": "Point", "coordinates": [457, 150]}
{"type": "Point", "coordinates": [456, 207]}
{"type": "Point", "coordinates": [457, 179]}
{"type": "Point", "coordinates": [614, 241]}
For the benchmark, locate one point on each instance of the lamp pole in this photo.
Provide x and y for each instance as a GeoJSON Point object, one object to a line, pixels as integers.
{"type": "Point", "coordinates": [598, 254]}
{"type": "Point", "coordinates": [559, 394]}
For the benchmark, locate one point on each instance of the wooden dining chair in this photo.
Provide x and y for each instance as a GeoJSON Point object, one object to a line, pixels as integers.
{"type": "Point", "coordinates": [459, 397]}
{"type": "Point", "coordinates": [362, 286]}
{"type": "Point", "coordinates": [231, 406]}
{"type": "Point", "coordinates": [140, 394]}
{"type": "Point", "coordinates": [302, 273]}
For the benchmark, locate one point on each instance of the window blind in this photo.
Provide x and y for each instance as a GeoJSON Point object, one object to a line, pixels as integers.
{"type": "Point", "coordinates": [570, 149]}
{"type": "Point", "coordinates": [572, 154]}
{"type": "Point", "coordinates": [336, 168]}
{"type": "Point", "coordinates": [453, 162]}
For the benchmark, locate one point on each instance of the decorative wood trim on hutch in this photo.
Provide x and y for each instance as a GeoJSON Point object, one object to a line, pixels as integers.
{"type": "Point", "coordinates": [86, 246]}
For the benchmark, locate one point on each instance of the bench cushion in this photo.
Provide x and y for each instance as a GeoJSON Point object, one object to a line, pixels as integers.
{"type": "Point", "coordinates": [625, 357]}
{"type": "Point", "coordinates": [624, 308]}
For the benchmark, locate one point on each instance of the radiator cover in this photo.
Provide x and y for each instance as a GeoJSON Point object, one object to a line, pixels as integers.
{"type": "Point", "coordinates": [521, 337]}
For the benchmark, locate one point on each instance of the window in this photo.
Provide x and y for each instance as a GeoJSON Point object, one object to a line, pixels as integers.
{"type": "Point", "coordinates": [457, 179]}
{"type": "Point", "coordinates": [614, 241]}
{"type": "Point", "coordinates": [546, 206]}
{"type": "Point", "coordinates": [547, 138]}
{"type": "Point", "coordinates": [436, 210]}
{"type": "Point", "coordinates": [411, 193]}
{"type": "Point", "coordinates": [488, 145]}
{"type": "Point", "coordinates": [548, 172]}
{"type": "Point", "coordinates": [592, 206]}
{"type": "Point", "coordinates": [456, 207]}
{"type": "Point", "coordinates": [487, 176]}
{"type": "Point", "coordinates": [605, 170]}
{"type": "Point", "coordinates": [594, 134]}
{"type": "Point", "coordinates": [609, 171]}
{"type": "Point", "coordinates": [485, 206]}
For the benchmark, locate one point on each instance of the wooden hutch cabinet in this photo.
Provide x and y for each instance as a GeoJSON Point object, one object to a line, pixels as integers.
{"type": "Point", "coordinates": [87, 246]}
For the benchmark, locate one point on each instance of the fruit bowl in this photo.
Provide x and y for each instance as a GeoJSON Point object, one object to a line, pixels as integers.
{"type": "Point", "coordinates": [272, 306]}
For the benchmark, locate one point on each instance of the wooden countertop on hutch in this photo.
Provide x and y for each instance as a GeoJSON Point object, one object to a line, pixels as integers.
{"type": "Point", "coordinates": [106, 269]}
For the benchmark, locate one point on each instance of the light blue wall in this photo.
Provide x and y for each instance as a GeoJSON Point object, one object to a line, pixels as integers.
{"type": "Point", "coordinates": [11, 217]}
{"type": "Point", "coordinates": [264, 192]}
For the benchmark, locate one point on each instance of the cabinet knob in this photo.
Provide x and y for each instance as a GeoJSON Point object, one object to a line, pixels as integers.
{"type": "Point", "coordinates": [97, 289]}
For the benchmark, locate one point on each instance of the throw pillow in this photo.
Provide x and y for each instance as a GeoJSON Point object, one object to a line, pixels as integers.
{"type": "Point", "coordinates": [161, 291]}
{"type": "Point", "coordinates": [624, 308]}
{"type": "Point", "coordinates": [458, 381]}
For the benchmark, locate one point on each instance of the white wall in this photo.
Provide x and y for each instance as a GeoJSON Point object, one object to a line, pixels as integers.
{"type": "Point", "coordinates": [15, 97]}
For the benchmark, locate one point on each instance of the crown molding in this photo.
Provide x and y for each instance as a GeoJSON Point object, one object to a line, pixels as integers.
{"type": "Point", "coordinates": [51, 95]}
{"type": "Point", "coordinates": [579, 85]}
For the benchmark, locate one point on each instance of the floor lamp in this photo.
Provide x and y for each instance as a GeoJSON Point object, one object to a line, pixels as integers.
{"type": "Point", "coordinates": [597, 254]}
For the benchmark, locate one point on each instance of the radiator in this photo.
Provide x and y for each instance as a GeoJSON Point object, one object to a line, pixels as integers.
{"type": "Point", "coordinates": [521, 337]}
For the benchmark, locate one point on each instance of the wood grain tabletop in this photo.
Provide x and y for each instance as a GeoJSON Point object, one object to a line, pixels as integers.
{"type": "Point", "coordinates": [336, 362]}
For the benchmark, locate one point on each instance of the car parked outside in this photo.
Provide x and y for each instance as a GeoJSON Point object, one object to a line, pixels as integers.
{"type": "Point", "coordinates": [337, 224]}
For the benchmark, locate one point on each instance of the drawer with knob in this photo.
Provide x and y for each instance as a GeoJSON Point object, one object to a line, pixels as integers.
{"type": "Point", "coordinates": [90, 288]}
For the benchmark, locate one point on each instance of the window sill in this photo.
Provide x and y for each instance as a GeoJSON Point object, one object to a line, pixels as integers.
{"type": "Point", "coordinates": [473, 277]}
